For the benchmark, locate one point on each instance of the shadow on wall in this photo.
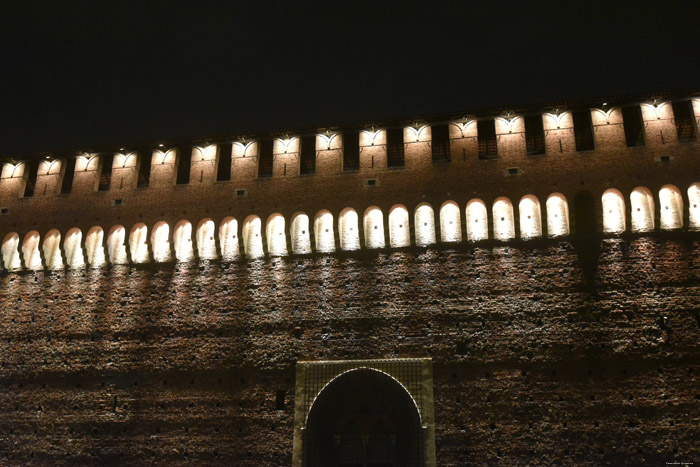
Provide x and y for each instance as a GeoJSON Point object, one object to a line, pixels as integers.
{"type": "Point", "coordinates": [586, 242]}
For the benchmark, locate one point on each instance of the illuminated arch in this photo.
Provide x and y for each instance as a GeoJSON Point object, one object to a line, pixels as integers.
{"type": "Point", "coordinates": [530, 217]}
{"type": "Point", "coordinates": [300, 234]}
{"type": "Point", "coordinates": [503, 222]}
{"type": "Point", "coordinates": [557, 215]}
{"type": "Point", "coordinates": [613, 211]}
{"type": "Point", "coordinates": [323, 232]}
{"type": "Point", "coordinates": [642, 206]}
{"type": "Point", "coordinates": [450, 223]}
{"type": "Point", "coordinates": [72, 246]}
{"type": "Point", "coordinates": [228, 239]}
{"type": "Point", "coordinates": [477, 220]}
{"type": "Point", "coordinates": [160, 242]}
{"type": "Point", "coordinates": [138, 246]}
{"type": "Point", "coordinates": [424, 222]}
{"type": "Point", "coordinates": [30, 251]}
{"type": "Point", "coordinates": [182, 241]}
{"type": "Point", "coordinates": [116, 247]}
{"type": "Point", "coordinates": [52, 249]}
{"type": "Point", "coordinates": [276, 236]}
{"type": "Point", "coordinates": [671, 206]}
{"type": "Point", "coordinates": [10, 252]}
{"type": "Point", "coordinates": [399, 231]}
{"type": "Point", "coordinates": [694, 206]}
{"type": "Point", "coordinates": [94, 246]}
{"type": "Point", "coordinates": [206, 243]}
{"type": "Point", "coordinates": [349, 230]}
{"type": "Point", "coordinates": [252, 237]}
{"type": "Point", "coordinates": [373, 226]}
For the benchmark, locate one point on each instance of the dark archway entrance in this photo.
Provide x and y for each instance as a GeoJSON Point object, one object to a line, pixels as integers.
{"type": "Point", "coordinates": [363, 418]}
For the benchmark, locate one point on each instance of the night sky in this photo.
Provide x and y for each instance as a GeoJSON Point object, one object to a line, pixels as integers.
{"type": "Point", "coordinates": [76, 74]}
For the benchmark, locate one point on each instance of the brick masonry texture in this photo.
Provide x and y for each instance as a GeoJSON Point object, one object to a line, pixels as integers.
{"type": "Point", "coordinates": [545, 352]}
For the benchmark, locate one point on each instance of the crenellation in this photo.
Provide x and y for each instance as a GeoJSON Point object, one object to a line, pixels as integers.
{"type": "Point", "coordinates": [163, 168]}
{"type": "Point", "coordinates": [372, 150]}
{"type": "Point", "coordinates": [285, 156]}
{"type": "Point", "coordinates": [204, 163]}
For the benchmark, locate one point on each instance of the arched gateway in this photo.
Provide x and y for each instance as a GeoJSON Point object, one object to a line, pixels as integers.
{"type": "Point", "coordinates": [364, 414]}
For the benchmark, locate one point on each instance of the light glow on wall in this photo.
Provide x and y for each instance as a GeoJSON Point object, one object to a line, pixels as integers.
{"type": "Point", "coordinates": [10, 252]}
{"type": "Point", "coordinates": [349, 230]}
{"type": "Point", "coordinates": [206, 243]}
{"type": "Point", "coordinates": [399, 231]}
{"type": "Point", "coordinates": [642, 206]}
{"type": "Point", "coordinates": [694, 206]}
{"type": "Point", "coordinates": [374, 228]}
{"type": "Point", "coordinates": [557, 215]}
{"type": "Point", "coordinates": [52, 249]}
{"type": "Point", "coordinates": [503, 222]}
{"type": "Point", "coordinates": [138, 246]}
{"type": "Point", "coordinates": [323, 232]}
{"type": "Point", "coordinates": [671, 205]}
{"type": "Point", "coordinates": [252, 237]}
{"type": "Point", "coordinates": [30, 251]}
{"type": "Point", "coordinates": [182, 241]}
{"type": "Point", "coordinates": [424, 223]}
{"type": "Point", "coordinates": [94, 246]}
{"type": "Point", "coordinates": [613, 212]}
{"type": "Point", "coordinates": [73, 249]}
{"type": "Point", "coordinates": [228, 239]}
{"type": "Point", "coordinates": [530, 217]}
{"type": "Point", "coordinates": [450, 223]}
{"type": "Point", "coordinates": [276, 237]}
{"type": "Point", "coordinates": [477, 220]}
{"type": "Point", "coordinates": [160, 242]}
{"type": "Point", "coordinates": [300, 234]}
{"type": "Point", "coordinates": [116, 247]}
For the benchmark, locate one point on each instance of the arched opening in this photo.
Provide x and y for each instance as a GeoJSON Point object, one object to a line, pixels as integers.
{"type": "Point", "coordinates": [477, 220]}
{"type": "Point", "coordinates": [138, 246]}
{"type": "Point", "coordinates": [694, 206]}
{"type": "Point", "coordinates": [72, 246]}
{"type": "Point", "coordinates": [424, 222]}
{"type": "Point", "coordinates": [94, 246]}
{"type": "Point", "coordinates": [586, 218]}
{"type": "Point", "coordinates": [399, 231]}
{"type": "Point", "coordinates": [228, 239]}
{"type": "Point", "coordinates": [374, 228]}
{"type": "Point", "coordinates": [252, 237]}
{"type": "Point", "coordinates": [530, 217]}
{"type": "Point", "coordinates": [557, 215]}
{"type": "Point", "coordinates": [503, 222]}
{"type": "Point", "coordinates": [182, 241]}
{"type": "Point", "coordinates": [10, 252]}
{"type": "Point", "coordinates": [323, 232]}
{"type": "Point", "coordinates": [206, 243]}
{"type": "Point", "coordinates": [52, 249]}
{"type": "Point", "coordinates": [30, 251]}
{"type": "Point", "coordinates": [363, 417]}
{"type": "Point", "coordinates": [276, 237]}
{"type": "Point", "coordinates": [450, 223]}
{"type": "Point", "coordinates": [348, 227]}
{"type": "Point", "coordinates": [642, 206]}
{"type": "Point", "coordinates": [613, 212]}
{"type": "Point", "coordinates": [116, 248]}
{"type": "Point", "coordinates": [160, 242]}
{"type": "Point", "coordinates": [671, 205]}
{"type": "Point", "coordinates": [301, 237]}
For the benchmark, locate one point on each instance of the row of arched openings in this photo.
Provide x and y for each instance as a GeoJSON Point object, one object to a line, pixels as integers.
{"type": "Point", "coordinates": [163, 244]}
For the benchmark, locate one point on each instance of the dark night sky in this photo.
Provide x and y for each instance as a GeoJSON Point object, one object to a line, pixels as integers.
{"type": "Point", "coordinates": [77, 74]}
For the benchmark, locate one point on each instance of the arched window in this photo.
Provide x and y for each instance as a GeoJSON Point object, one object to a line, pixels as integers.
{"type": "Point", "coordinates": [642, 206]}
{"type": "Point", "coordinates": [503, 223]}
{"type": "Point", "coordinates": [182, 241]}
{"type": "Point", "coordinates": [374, 228]}
{"type": "Point", "coordinates": [116, 249]}
{"type": "Point", "coordinates": [30, 251]}
{"type": "Point", "coordinates": [530, 217]}
{"type": "Point", "coordinates": [349, 230]}
{"type": "Point", "coordinates": [694, 206]}
{"type": "Point", "coordinates": [160, 242]}
{"type": "Point", "coordinates": [94, 246]}
{"type": "Point", "coordinates": [323, 232]}
{"type": "Point", "coordinates": [206, 244]}
{"type": "Point", "coordinates": [138, 245]}
{"type": "Point", "coordinates": [399, 231]}
{"type": "Point", "coordinates": [228, 239]}
{"type": "Point", "coordinates": [613, 212]}
{"type": "Point", "coordinates": [477, 221]}
{"type": "Point", "coordinates": [73, 248]}
{"type": "Point", "coordinates": [52, 249]}
{"type": "Point", "coordinates": [557, 215]}
{"type": "Point", "coordinates": [671, 202]}
{"type": "Point", "coordinates": [276, 237]}
{"type": "Point", "coordinates": [10, 252]}
{"type": "Point", "coordinates": [424, 222]}
{"type": "Point", "coordinates": [252, 237]}
{"type": "Point", "coordinates": [301, 237]}
{"type": "Point", "coordinates": [450, 223]}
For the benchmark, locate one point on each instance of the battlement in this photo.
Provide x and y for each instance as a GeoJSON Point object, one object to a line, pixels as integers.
{"type": "Point", "coordinates": [598, 166]}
